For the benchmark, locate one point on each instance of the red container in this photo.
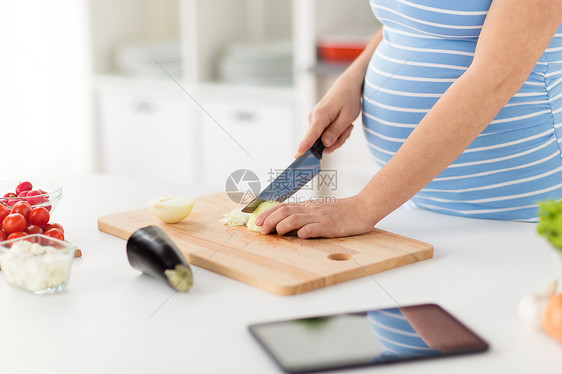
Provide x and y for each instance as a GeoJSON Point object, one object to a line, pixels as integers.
{"type": "Point", "coordinates": [338, 52]}
{"type": "Point", "coordinates": [343, 46]}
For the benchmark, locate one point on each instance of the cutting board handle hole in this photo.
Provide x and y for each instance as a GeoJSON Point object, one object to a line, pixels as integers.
{"type": "Point", "coordinates": [339, 256]}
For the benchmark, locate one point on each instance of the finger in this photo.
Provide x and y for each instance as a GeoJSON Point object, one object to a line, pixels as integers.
{"type": "Point", "coordinates": [335, 130]}
{"type": "Point", "coordinates": [312, 230]}
{"type": "Point", "coordinates": [317, 125]}
{"type": "Point", "coordinates": [294, 222]}
{"type": "Point", "coordinates": [277, 216]}
{"type": "Point", "coordinates": [343, 137]}
{"type": "Point", "coordinates": [266, 213]}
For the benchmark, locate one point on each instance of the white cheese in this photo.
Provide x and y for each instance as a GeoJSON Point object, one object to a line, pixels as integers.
{"type": "Point", "coordinates": [35, 267]}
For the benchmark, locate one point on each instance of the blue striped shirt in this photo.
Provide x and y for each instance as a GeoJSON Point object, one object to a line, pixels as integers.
{"type": "Point", "coordinates": [515, 162]}
{"type": "Point", "coordinates": [399, 338]}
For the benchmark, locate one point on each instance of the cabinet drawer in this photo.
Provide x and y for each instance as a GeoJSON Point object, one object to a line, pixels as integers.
{"type": "Point", "coordinates": [146, 137]}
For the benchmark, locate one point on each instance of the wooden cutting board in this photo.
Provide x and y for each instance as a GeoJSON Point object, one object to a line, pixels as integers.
{"type": "Point", "coordinates": [283, 265]}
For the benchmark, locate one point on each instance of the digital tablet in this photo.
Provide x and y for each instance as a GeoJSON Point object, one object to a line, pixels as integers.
{"type": "Point", "coordinates": [370, 337]}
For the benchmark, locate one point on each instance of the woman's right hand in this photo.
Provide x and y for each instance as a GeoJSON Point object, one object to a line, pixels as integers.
{"type": "Point", "coordinates": [332, 117]}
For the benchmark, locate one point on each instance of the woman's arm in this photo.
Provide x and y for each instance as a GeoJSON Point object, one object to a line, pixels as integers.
{"type": "Point", "coordinates": [514, 36]}
{"type": "Point", "coordinates": [341, 105]}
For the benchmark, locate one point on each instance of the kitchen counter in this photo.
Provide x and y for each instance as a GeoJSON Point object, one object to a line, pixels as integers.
{"type": "Point", "coordinates": [112, 319]}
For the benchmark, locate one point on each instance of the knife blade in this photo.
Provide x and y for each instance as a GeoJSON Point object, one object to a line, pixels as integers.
{"type": "Point", "coordinates": [299, 173]}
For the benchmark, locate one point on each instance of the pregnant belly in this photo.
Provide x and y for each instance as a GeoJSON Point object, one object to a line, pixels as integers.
{"type": "Point", "coordinates": [403, 83]}
{"type": "Point", "coordinates": [514, 162]}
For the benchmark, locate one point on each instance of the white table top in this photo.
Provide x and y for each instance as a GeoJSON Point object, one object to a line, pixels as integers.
{"type": "Point", "coordinates": [112, 319]}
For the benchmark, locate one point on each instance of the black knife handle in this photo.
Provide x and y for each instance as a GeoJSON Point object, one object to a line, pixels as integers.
{"type": "Point", "coordinates": [317, 148]}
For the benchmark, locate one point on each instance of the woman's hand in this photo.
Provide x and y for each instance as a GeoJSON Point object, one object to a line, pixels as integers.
{"type": "Point", "coordinates": [342, 217]}
{"type": "Point", "coordinates": [333, 116]}
{"type": "Point", "coordinates": [340, 106]}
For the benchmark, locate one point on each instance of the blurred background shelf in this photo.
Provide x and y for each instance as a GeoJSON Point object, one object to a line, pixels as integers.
{"type": "Point", "coordinates": [174, 68]}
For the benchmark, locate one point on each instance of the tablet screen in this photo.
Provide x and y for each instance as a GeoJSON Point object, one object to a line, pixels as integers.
{"type": "Point", "coordinates": [366, 338]}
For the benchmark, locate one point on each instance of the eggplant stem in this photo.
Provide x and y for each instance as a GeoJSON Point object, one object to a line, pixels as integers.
{"type": "Point", "coordinates": [180, 278]}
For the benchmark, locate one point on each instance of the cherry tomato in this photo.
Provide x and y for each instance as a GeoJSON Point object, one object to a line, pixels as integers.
{"type": "Point", "coordinates": [53, 226]}
{"type": "Point", "coordinates": [39, 216]}
{"type": "Point", "coordinates": [23, 194]}
{"type": "Point", "coordinates": [22, 208]}
{"type": "Point", "coordinates": [34, 229]}
{"type": "Point", "coordinates": [44, 195]}
{"type": "Point", "coordinates": [23, 186]}
{"type": "Point", "coordinates": [2, 235]}
{"type": "Point", "coordinates": [35, 197]}
{"type": "Point", "coordinates": [3, 213]}
{"type": "Point", "coordinates": [17, 234]}
{"type": "Point", "coordinates": [14, 222]}
{"type": "Point", "coordinates": [7, 197]}
{"type": "Point", "coordinates": [55, 233]}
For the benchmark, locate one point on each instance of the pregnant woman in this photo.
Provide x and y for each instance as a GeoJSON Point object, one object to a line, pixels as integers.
{"type": "Point", "coordinates": [462, 109]}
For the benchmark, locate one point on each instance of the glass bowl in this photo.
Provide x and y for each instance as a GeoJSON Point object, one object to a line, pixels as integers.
{"type": "Point", "coordinates": [37, 263]}
{"type": "Point", "coordinates": [51, 193]}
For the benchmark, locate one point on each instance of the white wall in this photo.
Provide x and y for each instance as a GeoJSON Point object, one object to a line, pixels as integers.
{"type": "Point", "coordinates": [45, 115]}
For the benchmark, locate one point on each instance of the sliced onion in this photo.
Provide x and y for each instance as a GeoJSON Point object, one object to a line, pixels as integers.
{"type": "Point", "coordinates": [259, 210]}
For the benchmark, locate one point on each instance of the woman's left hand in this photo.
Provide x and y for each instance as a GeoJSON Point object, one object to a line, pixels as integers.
{"type": "Point", "coordinates": [311, 219]}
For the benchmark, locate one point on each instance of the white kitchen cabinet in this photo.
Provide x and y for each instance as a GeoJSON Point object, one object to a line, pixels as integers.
{"type": "Point", "coordinates": [147, 137]}
{"type": "Point", "coordinates": [250, 135]}
{"type": "Point", "coordinates": [180, 142]}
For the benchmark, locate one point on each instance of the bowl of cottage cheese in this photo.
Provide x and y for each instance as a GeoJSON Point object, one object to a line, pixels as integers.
{"type": "Point", "coordinates": [37, 263]}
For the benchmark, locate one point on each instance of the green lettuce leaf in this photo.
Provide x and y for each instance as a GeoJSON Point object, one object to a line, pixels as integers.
{"type": "Point", "coordinates": [550, 222]}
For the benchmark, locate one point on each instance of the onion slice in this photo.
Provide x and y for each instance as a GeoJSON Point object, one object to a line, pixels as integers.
{"type": "Point", "coordinates": [171, 209]}
{"type": "Point", "coordinates": [259, 210]}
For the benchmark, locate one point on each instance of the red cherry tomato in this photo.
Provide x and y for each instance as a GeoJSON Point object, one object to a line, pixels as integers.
{"type": "Point", "coordinates": [39, 216]}
{"type": "Point", "coordinates": [35, 197]}
{"type": "Point", "coordinates": [2, 235]}
{"type": "Point", "coordinates": [22, 208]}
{"type": "Point", "coordinates": [14, 222]}
{"type": "Point", "coordinates": [3, 213]}
{"type": "Point", "coordinates": [23, 194]}
{"type": "Point", "coordinates": [34, 229]}
{"type": "Point", "coordinates": [15, 235]}
{"type": "Point", "coordinates": [53, 226]}
{"type": "Point", "coordinates": [4, 200]}
{"type": "Point", "coordinates": [55, 233]}
{"type": "Point", "coordinates": [23, 186]}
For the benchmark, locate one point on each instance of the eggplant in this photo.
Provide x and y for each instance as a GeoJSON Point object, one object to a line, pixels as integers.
{"type": "Point", "coordinates": [151, 251]}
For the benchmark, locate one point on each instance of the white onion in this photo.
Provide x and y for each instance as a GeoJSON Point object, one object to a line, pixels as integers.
{"type": "Point", "coordinates": [259, 210]}
{"type": "Point", "coordinates": [531, 306]}
{"type": "Point", "coordinates": [170, 209]}
{"type": "Point", "coordinates": [235, 218]}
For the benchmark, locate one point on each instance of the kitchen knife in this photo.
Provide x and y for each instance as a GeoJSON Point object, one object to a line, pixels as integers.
{"type": "Point", "coordinates": [299, 173]}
